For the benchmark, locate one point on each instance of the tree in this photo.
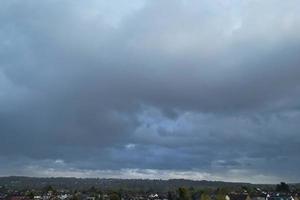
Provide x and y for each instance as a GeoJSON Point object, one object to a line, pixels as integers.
{"type": "Point", "coordinates": [171, 196]}
{"type": "Point", "coordinates": [93, 191]}
{"type": "Point", "coordinates": [183, 194]}
{"type": "Point", "coordinates": [30, 195]}
{"type": "Point", "coordinates": [101, 195]}
{"type": "Point", "coordinates": [49, 189]}
{"type": "Point", "coordinates": [205, 196]}
{"type": "Point", "coordinates": [114, 196]}
{"type": "Point", "coordinates": [282, 187]}
{"type": "Point", "coordinates": [221, 194]}
{"type": "Point", "coordinates": [220, 197]}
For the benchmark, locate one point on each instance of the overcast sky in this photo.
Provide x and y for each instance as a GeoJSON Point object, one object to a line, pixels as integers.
{"type": "Point", "coordinates": [151, 89]}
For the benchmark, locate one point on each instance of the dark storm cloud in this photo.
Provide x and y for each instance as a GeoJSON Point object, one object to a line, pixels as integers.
{"type": "Point", "coordinates": [181, 87]}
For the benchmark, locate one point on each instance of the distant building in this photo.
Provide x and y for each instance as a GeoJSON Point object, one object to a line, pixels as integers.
{"type": "Point", "coordinates": [19, 198]}
{"type": "Point", "coordinates": [279, 197]}
{"type": "Point", "coordinates": [64, 196]}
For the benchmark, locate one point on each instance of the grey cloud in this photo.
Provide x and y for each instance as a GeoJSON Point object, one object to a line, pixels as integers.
{"type": "Point", "coordinates": [205, 86]}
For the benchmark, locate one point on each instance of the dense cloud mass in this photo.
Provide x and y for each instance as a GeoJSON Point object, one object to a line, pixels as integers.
{"type": "Point", "coordinates": [150, 89]}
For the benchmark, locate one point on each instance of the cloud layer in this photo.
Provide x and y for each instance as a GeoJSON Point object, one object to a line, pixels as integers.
{"type": "Point", "coordinates": [206, 89]}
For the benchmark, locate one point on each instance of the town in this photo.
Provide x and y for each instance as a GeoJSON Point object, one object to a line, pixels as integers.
{"type": "Point", "coordinates": [22, 190]}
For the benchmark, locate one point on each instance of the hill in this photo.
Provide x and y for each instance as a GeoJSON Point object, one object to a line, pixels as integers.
{"type": "Point", "coordinates": [15, 182]}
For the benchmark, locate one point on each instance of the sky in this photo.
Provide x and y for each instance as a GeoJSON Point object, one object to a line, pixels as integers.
{"type": "Point", "coordinates": [154, 89]}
